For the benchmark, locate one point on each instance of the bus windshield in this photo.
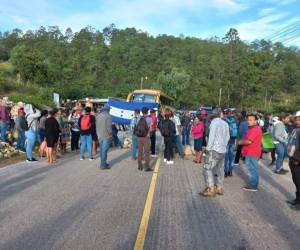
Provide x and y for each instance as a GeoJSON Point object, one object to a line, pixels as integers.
{"type": "Point", "coordinates": [144, 98]}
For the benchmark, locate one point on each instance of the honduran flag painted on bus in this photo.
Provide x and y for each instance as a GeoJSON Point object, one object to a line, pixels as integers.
{"type": "Point", "coordinates": [122, 111]}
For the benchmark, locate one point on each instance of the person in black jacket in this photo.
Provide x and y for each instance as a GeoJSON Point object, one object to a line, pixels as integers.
{"type": "Point", "coordinates": [52, 130]}
{"type": "Point", "coordinates": [168, 131]}
{"type": "Point", "coordinates": [294, 162]}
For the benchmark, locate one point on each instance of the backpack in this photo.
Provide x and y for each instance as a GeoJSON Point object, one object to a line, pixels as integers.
{"type": "Point", "coordinates": [85, 123]}
{"type": "Point", "coordinates": [233, 128]}
{"type": "Point", "coordinates": [166, 129]}
{"type": "Point", "coordinates": [141, 129]}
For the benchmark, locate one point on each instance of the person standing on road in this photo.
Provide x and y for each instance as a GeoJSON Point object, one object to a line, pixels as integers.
{"type": "Point", "coordinates": [243, 128]}
{"type": "Point", "coordinates": [215, 153]}
{"type": "Point", "coordinates": [32, 133]}
{"type": "Point", "coordinates": [197, 132]}
{"type": "Point", "coordinates": [42, 120]}
{"type": "Point", "coordinates": [252, 151]}
{"type": "Point", "coordinates": [186, 127]}
{"type": "Point", "coordinates": [4, 121]}
{"type": "Point", "coordinates": [20, 127]}
{"type": "Point", "coordinates": [280, 140]}
{"type": "Point", "coordinates": [233, 128]}
{"type": "Point", "coordinates": [134, 139]}
{"type": "Point", "coordinates": [104, 133]}
{"type": "Point", "coordinates": [168, 131]}
{"type": "Point", "coordinates": [52, 130]}
{"type": "Point", "coordinates": [153, 128]}
{"type": "Point", "coordinates": [294, 160]}
{"type": "Point", "coordinates": [177, 137]}
{"type": "Point", "coordinates": [75, 130]}
{"type": "Point", "coordinates": [142, 132]}
{"type": "Point", "coordinates": [86, 123]}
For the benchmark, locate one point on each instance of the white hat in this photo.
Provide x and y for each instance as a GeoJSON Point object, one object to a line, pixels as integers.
{"type": "Point", "coordinates": [275, 119]}
{"type": "Point", "coordinates": [297, 114]}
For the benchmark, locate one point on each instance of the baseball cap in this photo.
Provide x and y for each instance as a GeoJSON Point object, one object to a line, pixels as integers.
{"type": "Point", "coordinates": [106, 107]}
{"type": "Point", "coordinates": [297, 114]}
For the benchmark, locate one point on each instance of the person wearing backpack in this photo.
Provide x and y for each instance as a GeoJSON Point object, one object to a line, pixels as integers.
{"type": "Point", "coordinates": [134, 139]}
{"type": "Point", "coordinates": [168, 131]}
{"type": "Point", "coordinates": [294, 160]}
{"type": "Point", "coordinates": [142, 132]}
{"type": "Point", "coordinates": [86, 123]}
{"type": "Point", "coordinates": [228, 163]}
{"type": "Point", "coordinates": [104, 133]}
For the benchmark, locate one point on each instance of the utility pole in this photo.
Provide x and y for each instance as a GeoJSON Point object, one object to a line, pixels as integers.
{"type": "Point", "coordinates": [142, 79]}
{"type": "Point", "coordinates": [220, 97]}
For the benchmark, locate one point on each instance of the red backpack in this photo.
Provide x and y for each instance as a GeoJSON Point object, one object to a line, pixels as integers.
{"type": "Point", "coordinates": [85, 123]}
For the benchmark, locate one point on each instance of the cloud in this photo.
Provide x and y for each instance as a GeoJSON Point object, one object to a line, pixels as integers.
{"type": "Point", "coordinates": [266, 11]}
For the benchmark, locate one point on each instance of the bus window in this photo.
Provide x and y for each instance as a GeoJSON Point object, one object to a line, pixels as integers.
{"type": "Point", "coordinates": [143, 98]}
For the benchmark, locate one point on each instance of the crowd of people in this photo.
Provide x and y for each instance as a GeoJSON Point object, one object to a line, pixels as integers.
{"type": "Point", "coordinates": [220, 139]}
{"type": "Point", "coordinates": [224, 138]}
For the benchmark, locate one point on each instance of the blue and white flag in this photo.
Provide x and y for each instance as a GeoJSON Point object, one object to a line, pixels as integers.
{"type": "Point", "coordinates": [122, 111]}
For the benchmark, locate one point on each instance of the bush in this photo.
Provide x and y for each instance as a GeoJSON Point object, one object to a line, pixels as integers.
{"type": "Point", "coordinates": [39, 99]}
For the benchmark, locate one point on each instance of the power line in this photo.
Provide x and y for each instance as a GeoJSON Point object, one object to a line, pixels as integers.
{"type": "Point", "coordinates": [283, 30]}
{"type": "Point", "coordinates": [287, 35]}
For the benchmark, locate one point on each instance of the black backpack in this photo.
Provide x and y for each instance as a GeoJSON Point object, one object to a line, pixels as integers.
{"type": "Point", "coordinates": [167, 129]}
{"type": "Point", "coordinates": [141, 129]}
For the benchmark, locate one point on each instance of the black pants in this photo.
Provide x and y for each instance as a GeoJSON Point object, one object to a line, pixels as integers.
{"type": "Point", "coordinates": [153, 141]}
{"type": "Point", "coordinates": [238, 154]}
{"type": "Point", "coordinates": [168, 153]}
{"type": "Point", "coordinates": [273, 155]}
{"type": "Point", "coordinates": [75, 135]}
{"type": "Point", "coordinates": [295, 170]}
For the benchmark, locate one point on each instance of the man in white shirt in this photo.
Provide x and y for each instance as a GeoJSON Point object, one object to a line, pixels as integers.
{"type": "Point", "coordinates": [218, 138]}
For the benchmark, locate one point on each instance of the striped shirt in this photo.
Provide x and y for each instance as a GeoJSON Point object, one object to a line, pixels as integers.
{"type": "Point", "coordinates": [218, 136]}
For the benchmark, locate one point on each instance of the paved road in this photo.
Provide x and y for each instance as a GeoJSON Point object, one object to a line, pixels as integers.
{"type": "Point", "coordinates": [74, 205]}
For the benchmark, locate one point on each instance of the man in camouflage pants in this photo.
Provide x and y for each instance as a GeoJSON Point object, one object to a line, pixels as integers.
{"type": "Point", "coordinates": [215, 154]}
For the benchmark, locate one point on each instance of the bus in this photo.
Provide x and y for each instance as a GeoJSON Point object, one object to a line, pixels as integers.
{"type": "Point", "coordinates": [151, 96]}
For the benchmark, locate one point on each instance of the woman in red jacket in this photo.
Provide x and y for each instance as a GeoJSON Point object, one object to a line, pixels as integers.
{"type": "Point", "coordinates": [197, 132]}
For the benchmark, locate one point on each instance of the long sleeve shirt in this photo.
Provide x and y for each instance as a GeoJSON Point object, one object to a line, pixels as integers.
{"type": "Point", "coordinates": [198, 130]}
{"type": "Point", "coordinates": [279, 133]}
{"type": "Point", "coordinates": [104, 125]}
{"type": "Point", "coordinates": [32, 120]}
{"type": "Point", "coordinates": [218, 136]}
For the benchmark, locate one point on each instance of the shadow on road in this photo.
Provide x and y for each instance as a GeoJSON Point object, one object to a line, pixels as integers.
{"type": "Point", "coordinates": [270, 209]}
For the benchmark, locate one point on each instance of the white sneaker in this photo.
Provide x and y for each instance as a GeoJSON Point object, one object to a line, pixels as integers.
{"type": "Point", "coordinates": [153, 156]}
{"type": "Point", "coordinates": [170, 162]}
{"type": "Point", "coordinates": [91, 159]}
{"type": "Point", "coordinates": [165, 160]}
{"type": "Point", "coordinates": [235, 164]}
{"type": "Point", "coordinates": [81, 159]}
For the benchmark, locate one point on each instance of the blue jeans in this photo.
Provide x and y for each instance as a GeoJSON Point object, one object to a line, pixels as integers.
{"type": "Point", "coordinates": [104, 147]}
{"type": "Point", "coordinates": [179, 145]}
{"type": "Point", "coordinates": [41, 135]}
{"type": "Point", "coordinates": [281, 151]}
{"type": "Point", "coordinates": [252, 166]}
{"type": "Point", "coordinates": [21, 141]}
{"type": "Point", "coordinates": [229, 158]}
{"type": "Point", "coordinates": [134, 145]}
{"type": "Point", "coordinates": [30, 141]}
{"type": "Point", "coordinates": [86, 142]}
{"type": "Point", "coordinates": [185, 136]}
{"type": "Point", "coordinates": [3, 131]}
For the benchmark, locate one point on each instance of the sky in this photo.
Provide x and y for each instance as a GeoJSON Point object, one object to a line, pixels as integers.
{"type": "Point", "coordinates": [254, 19]}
